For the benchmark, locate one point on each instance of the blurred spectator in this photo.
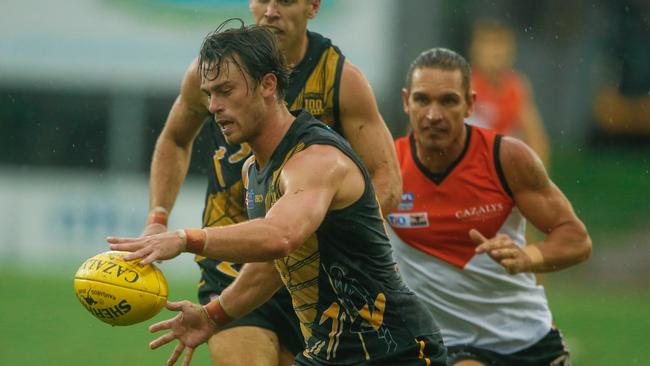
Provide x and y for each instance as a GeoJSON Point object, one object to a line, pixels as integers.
{"type": "Point", "coordinates": [504, 100]}
{"type": "Point", "coordinates": [622, 105]}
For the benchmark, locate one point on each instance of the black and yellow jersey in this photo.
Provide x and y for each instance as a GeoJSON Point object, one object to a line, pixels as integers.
{"type": "Point", "coordinates": [313, 86]}
{"type": "Point", "coordinates": [346, 291]}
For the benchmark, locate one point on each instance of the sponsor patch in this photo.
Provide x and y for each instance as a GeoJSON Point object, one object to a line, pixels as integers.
{"type": "Point", "coordinates": [407, 201]}
{"type": "Point", "coordinates": [409, 220]}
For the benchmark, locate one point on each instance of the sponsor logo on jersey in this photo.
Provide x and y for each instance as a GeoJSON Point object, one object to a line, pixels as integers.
{"type": "Point", "coordinates": [481, 212]}
{"type": "Point", "coordinates": [409, 220]}
{"type": "Point", "coordinates": [407, 201]}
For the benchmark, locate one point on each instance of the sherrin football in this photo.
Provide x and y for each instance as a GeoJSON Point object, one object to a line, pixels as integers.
{"type": "Point", "coordinates": [120, 292]}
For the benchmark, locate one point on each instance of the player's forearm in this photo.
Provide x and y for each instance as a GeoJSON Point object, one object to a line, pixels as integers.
{"type": "Point", "coordinates": [255, 285]}
{"type": "Point", "coordinates": [168, 169]}
{"type": "Point", "coordinates": [565, 246]}
{"type": "Point", "coordinates": [388, 187]}
{"type": "Point", "coordinates": [250, 241]}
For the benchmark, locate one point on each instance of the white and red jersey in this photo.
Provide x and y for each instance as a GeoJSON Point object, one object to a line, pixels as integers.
{"type": "Point", "coordinates": [474, 300]}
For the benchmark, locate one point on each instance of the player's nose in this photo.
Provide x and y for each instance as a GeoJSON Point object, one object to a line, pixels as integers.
{"type": "Point", "coordinates": [272, 10]}
{"type": "Point", "coordinates": [433, 112]}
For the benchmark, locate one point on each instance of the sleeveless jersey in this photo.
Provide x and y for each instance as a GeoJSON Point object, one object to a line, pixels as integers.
{"type": "Point", "coordinates": [352, 304]}
{"type": "Point", "coordinates": [313, 86]}
{"type": "Point", "coordinates": [473, 299]}
{"type": "Point", "coordinates": [498, 107]}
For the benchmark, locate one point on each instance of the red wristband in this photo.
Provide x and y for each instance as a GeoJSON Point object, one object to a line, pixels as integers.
{"type": "Point", "coordinates": [217, 314]}
{"type": "Point", "coordinates": [158, 215]}
{"type": "Point", "coordinates": [196, 240]}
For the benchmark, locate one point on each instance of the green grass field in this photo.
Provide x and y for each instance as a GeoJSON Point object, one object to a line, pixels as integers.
{"type": "Point", "coordinates": [43, 324]}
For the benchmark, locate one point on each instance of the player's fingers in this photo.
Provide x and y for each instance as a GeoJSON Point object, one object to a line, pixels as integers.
{"type": "Point", "coordinates": [137, 251]}
{"type": "Point", "coordinates": [162, 340]}
{"type": "Point", "coordinates": [118, 239]}
{"type": "Point", "coordinates": [477, 237]}
{"type": "Point", "coordinates": [149, 258]}
{"type": "Point", "coordinates": [128, 247]}
{"type": "Point", "coordinates": [510, 265]}
{"type": "Point", "coordinates": [175, 305]}
{"type": "Point", "coordinates": [178, 350]}
{"type": "Point", "coordinates": [165, 324]}
{"type": "Point", "coordinates": [502, 253]}
{"type": "Point", "coordinates": [188, 356]}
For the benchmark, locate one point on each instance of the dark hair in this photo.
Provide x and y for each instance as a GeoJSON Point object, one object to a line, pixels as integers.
{"type": "Point", "coordinates": [445, 59]}
{"type": "Point", "coordinates": [252, 48]}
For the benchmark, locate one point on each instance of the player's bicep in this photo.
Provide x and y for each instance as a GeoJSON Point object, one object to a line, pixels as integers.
{"type": "Point", "coordinates": [308, 183]}
{"type": "Point", "coordinates": [536, 196]}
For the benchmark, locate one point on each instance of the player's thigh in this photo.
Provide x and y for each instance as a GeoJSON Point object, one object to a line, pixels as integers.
{"type": "Point", "coordinates": [248, 345]}
{"type": "Point", "coordinates": [467, 363]}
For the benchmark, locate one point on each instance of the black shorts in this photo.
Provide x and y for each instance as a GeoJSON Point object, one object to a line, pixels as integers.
{"type": "Point", "coordinates": [426, 351]}
{"type": "Point", "coordinates": [276, 314]}
{"type": "Point", "coordinates": [549, 351]}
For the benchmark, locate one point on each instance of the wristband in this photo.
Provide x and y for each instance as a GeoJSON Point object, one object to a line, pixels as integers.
{"type": "Point", "coordinates": [216, 314]}
{"type": "Point", "coordinates": [158, 215]}
{"type": "Point", "coordinates": [194, 240]}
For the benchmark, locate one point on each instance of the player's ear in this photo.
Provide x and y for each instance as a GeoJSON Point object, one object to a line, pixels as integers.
{"type": "Point", "coordinates": [471, 102]}
{"type": "Point", "coordinates": [314, 7]}
{"type": "Point", "coordinates": [268, 84]}
{"type": "Point", "coordinates": [405, 100]}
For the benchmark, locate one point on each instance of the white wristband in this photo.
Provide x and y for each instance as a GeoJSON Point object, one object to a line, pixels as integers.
{"type": "Point", "coordinates": [181, 234]}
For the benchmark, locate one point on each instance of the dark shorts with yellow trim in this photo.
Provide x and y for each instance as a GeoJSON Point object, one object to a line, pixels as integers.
{"type": "Point", "coordinates": [426, 350]}
{"type": "Point", "coordinates": [549, 351]}
{"type": "Point", "coordinates": [276, 314]}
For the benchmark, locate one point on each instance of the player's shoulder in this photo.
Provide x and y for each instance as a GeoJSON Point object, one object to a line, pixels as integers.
{"type": "Point", "coordinates": [521, 165]}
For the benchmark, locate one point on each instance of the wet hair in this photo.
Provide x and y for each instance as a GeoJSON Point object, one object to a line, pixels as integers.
{"type": "Point", "coordinates": [444, 59]}
{"type": "Point", "coordinates": [252, 49]}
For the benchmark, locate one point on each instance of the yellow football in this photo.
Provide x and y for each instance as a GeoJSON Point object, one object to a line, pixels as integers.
{"type": "Point", "coordinates": [120, 292]}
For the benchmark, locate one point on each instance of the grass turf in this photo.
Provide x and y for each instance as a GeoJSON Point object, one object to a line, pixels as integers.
{"type": "Point", "coordinates": [44, 324]}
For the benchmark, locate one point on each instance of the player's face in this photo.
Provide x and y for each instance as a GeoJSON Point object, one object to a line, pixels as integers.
{"type": "Point", "coordinates": [235, 102]}
{"type": "Point", "coordinates": [493, 52]}
{"type": "Point", "coordinates": [287, 19]}
{"type": "Point", "coordinates": [437, 108]}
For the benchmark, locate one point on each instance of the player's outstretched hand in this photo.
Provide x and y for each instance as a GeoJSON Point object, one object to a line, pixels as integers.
{"type": "Point", "coordinates": [151, 248]}
{"type": "Point", "coordinates": [503, 250]}
{"type": "Point", "coordinates": [191, 327]}
{"type": "Point", "coordinates": [153, 229]}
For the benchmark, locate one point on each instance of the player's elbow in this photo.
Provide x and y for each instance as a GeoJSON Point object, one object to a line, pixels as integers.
{"type": "Point", "coordinates": [279, 246]}
{"type": "Point", "coordinates": [585, 249]}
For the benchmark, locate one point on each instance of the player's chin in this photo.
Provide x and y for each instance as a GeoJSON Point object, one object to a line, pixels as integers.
{"type": "Point", "coordinates": [233, 138]}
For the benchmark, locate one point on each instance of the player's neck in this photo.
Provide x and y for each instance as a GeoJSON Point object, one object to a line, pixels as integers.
{"type": "Point", "coordinates": [295, 52]}
{"type": "Point", "coordinates": [439, 160]}
{"type": "Point", "coordinates": [271, 134]}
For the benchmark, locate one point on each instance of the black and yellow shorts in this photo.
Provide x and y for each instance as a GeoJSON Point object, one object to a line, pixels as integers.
{"type": "Point", "coordinates": [276, 314]}
{"type": "Point", "coordinates": [549, 351]}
